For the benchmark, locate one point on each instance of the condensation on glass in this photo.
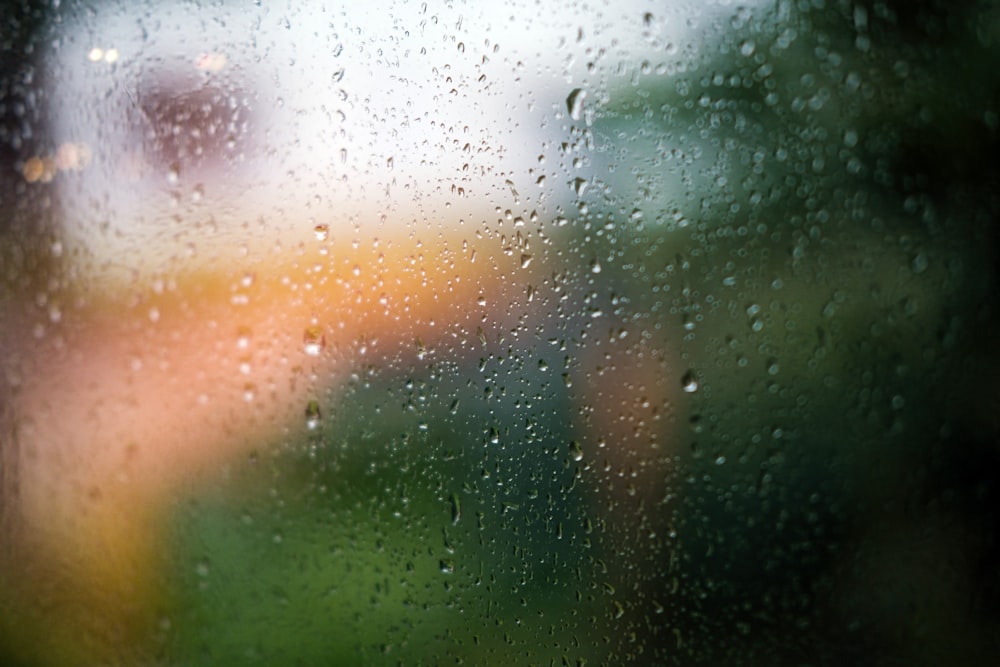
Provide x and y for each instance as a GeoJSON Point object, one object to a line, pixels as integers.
{"type": "Point", "coordinates": [487, 333]}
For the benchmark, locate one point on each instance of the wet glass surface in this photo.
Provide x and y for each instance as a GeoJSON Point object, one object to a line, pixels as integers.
{"type": "Point", "coordinates": [629, 333]}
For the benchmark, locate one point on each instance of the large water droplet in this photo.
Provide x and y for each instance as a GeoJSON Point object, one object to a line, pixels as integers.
{"type": "Point", "coordinates": [574, 103]}
{"type": "Point", "coordinates": [689, 382]}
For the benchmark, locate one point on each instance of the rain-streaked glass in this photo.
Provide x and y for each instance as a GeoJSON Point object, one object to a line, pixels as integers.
{"type": "Point", "coordinates": [487, 333]}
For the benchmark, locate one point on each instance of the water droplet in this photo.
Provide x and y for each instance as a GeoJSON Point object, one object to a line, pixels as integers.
{"type": "Point", "coordinates": [243, 338]}
{"type": "Point", "coordinates": [580, 186]}
{"type": "Point", "coordinates": [322, 232]}
{"type": "Point", "coordinates": [313, 415]}
{"type": "Point", "coordinates": [447, 566]}
{"type": "Point", "coordinates": [689, 382]}
{"type": "Point", "coordinates": [456, 509]}
{"type": "Point", "coordinates": [920, 263]}
{"type": "Point", "coordinates": [313, 341]}
{"type": "Point", "coordinates": [574, 103]}
{"type": "Point", "coordinates": [576, 451]}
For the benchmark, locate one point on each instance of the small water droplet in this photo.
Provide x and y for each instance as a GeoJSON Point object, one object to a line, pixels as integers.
{"type": "Point", "coordinates": [689, 382]}
{"type": "Point", "coordinates": [322, 232]}
{"type": "Point", "coordinates": [580, 186]}
{"type": "Point", "coordinates": [313, 341]}
{"type": "Point", "coordinates": [313, 415]}
{"type": "Point", "coordinates": [243, 338]}
{"type": "Point", "coordinates": [576, 450]}
{"type": "Point", "coordinates": [447, 566]}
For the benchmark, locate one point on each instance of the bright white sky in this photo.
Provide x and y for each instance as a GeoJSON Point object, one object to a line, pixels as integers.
{"type": "Point", "coordinates": [408, 113]}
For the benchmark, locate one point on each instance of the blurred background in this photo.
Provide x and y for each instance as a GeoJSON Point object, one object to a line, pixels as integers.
{"type": "Point", "coordinates": [730, 396]}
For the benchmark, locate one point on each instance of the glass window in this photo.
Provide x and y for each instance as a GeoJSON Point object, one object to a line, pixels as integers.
{"type": "Point", "coordinates": [490, 333]}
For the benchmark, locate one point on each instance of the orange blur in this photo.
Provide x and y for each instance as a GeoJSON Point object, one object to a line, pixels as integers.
{"type": "Point", "coordinates": [149, 393]}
